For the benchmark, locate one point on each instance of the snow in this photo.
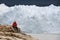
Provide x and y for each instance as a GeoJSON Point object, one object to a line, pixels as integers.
{"type": "Point", "coordinates": [32, 19]}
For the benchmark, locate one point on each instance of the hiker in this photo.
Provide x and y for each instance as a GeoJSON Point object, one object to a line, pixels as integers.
{"type": "Point", "coordinates": [14, 25]}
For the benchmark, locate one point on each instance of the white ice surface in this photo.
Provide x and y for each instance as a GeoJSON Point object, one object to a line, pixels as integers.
{"type": "Point", "coordinates": [32, 19]}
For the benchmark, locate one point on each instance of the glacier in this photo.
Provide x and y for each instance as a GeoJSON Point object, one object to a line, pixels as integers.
{"type": "Point", "coordinates": [32, 18]}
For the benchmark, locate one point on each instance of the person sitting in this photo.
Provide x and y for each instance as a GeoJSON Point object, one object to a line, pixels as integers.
{"type": "Point", "coordinates": [15, 28]}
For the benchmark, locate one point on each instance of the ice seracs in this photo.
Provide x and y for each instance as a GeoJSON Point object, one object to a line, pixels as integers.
{"type": "Point", "coordinates": [34, 18]}
{"type": "Point", "coordinates": [3, 9]}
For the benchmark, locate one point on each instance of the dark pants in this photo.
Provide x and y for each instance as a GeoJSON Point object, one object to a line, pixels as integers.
{"type": "Point", "coordinates": [16, 29]}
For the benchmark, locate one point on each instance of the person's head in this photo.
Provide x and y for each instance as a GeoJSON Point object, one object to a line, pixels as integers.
{"type": "Point", "coordinates": [14, 24]}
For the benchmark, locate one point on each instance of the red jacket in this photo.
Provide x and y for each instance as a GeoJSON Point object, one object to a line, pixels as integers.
{"type": "Point", "coordinates": [14, 24]}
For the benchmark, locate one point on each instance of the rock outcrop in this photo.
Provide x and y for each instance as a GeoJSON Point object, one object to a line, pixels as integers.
{"type": "Point", "coordinates": [8, 28]}
{"type": "Point", "coordinates": [8, 33]}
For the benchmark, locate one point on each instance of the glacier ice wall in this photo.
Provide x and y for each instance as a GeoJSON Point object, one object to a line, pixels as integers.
{"type": "Point", "coordinates": [32, 19]}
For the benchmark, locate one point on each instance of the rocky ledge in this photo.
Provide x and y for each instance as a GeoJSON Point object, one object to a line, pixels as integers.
{"type": "Point", "coordinates": [7, 33]}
